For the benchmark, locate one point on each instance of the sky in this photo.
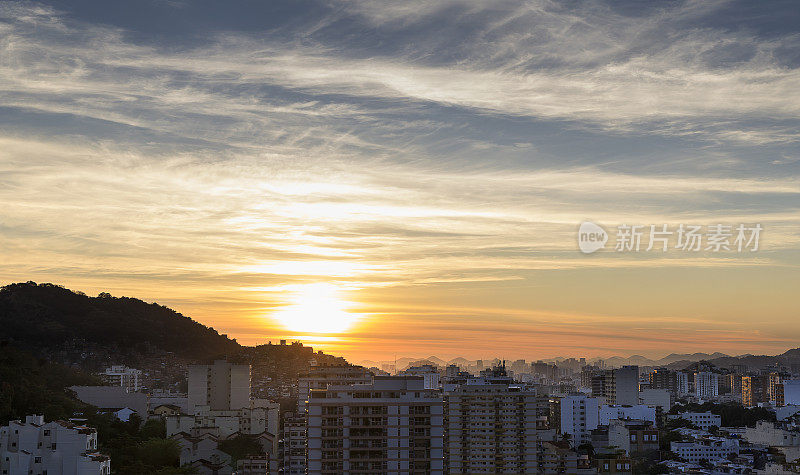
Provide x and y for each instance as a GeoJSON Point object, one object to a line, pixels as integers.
{"type": "Point", "coordinates": [382, 178]}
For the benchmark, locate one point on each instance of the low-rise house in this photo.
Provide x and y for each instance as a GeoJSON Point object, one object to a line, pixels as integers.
{"type": "Point", "coordinates": [703, 420]}
{"type": "Point", "coordinates": [633, 436]}
{"type": "Point", "coordinates": [770, 434]}
{"type": "Point", "coordinates": [710, 449]}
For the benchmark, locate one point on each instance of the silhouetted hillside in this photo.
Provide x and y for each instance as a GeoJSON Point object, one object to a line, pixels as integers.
{"type": "Point", "coordinates": [45, 316]}
{"type": "Point", "coordinates": [30, 385]}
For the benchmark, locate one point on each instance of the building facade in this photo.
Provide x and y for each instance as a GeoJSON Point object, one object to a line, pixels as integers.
{"type": "Point", "coordinates": [220, 387]}
{"type": "Point", "coordinates": [52, 448]}
{"type": "Point", "coordinates": [392, 426]}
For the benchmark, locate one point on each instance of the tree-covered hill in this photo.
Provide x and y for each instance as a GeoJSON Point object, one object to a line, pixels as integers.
{"type": "Point", "coordinates": [44, 316]}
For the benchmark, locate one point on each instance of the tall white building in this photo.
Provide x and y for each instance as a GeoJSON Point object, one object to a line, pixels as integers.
{"type": "Point", "coordinates": [791, 392]}
{"type": "Point", "coordinates": [53, 448]}
{"type": "Point", "coordinates": [219, 387]}
{"type": "Point", "coordinates": [706, 385]}
{"type": "Point", "coordinates": [493, 426]}
{"type": "Point", "coordinates": [119, 375]}
{"type": "Point", "coordinates": [579, 416]}
{"type": "Point", "coordinates": [682, 383]}
{"type": "Point", "coordinates": [392, 426]}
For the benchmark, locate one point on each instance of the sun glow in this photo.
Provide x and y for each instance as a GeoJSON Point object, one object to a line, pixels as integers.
{"type": "Point", "coordinates": [317, 308]}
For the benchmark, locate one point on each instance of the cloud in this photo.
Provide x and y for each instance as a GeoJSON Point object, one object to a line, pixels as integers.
{"type": "Point", "coordinates": [389, 146]}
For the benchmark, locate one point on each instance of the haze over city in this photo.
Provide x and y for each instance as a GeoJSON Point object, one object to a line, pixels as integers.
{"type": "Point", "coordinates": [408, 178]}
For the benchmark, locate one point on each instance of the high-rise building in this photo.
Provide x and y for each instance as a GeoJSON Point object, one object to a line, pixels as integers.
{"type": "Point", "coordinates": [120, 375]}
{"type": "Point", "coordinates": [392, 426]}
{"type": "Point", "coordinates": [494, 426]}
{"type": "Point", "coordinates": [617, 386]}
{"type": "Point", "coordinates": [662, 378]}
{"type": "Point", "coordinates": [735, 383]}
{"type": "Point", "coordinates": [774, 389]}
{"type": "Point", "coordinates": [578, 417]}
{"type": "Point", "coordinates": [755, 389]}
{"type": "Point", "coordinates": [791, 392]}
{"type": "Point", "coordinates": [603, 385]}
{"type": "Point", "coordinates": [626, 386]}
{"type": "Point", "coordinates": [682, 383]}
{"type": "Point", "coordinates": [294, 444]}
{"type": "Point", "coordinates": [219, 387]}
{"type": "Point", "coordinates": [706, 385]}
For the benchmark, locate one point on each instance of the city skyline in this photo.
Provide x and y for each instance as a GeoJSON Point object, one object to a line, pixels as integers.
{"type": "Point", "coordinates": [409, 178]}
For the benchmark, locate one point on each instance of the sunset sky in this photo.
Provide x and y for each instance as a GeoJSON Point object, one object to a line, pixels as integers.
{"type": "Point", "coordinates": [381, 178]}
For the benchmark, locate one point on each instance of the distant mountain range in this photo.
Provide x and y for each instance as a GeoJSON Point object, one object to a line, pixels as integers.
{"type": "Point", "coordinates": [673, 361]}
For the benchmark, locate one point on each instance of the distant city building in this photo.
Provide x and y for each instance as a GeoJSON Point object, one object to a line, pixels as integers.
{"type": "Point", "coordinates": [791, 392]}
{"type": "Point", "coordinates": [626, 386]}
{"type": "Point", "coordinates": [617, 386]}
{"type": "Point", "coordinates": [52, 448]}
{"type": "Point", "coordinates": [775, 390]}
{"type": "Point", "coordinates": [706, 385]}
{"type": "Point", "coordinates": [219, 387]}
{"type": "Point", "coordinates": [429, 374]}
{"type": "Point", "coordinates": [662, 378]}
{"type": "Point", "coordinates": [393, 425]}
{"type": "Point", "coordinates": [755, 390]}
{"type": "Point", "coordinates": [123, 376]}
{"type": "Point", "coordinates": [682, 383]}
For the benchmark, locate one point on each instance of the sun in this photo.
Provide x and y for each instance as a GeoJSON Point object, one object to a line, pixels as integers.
{"type": "Point", "coordinates": [317, 308]}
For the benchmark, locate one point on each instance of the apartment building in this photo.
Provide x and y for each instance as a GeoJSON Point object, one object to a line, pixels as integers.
{"type": "Point", "coordinates": [706, 385]}
{"type": "Point", "coordinates": [710, 448]}
{"type": "Point", "coordinates": [320, 377]}
{"type": "Point", "coordinates": [120, 375]}
{"type": "Point", "coordinates": [54, 448]}
{"type": "Point", "coordinates": [294, 443]}
{"type": "Point", "coordinates": [219, 387]}
{"type": "Point", "coordinates": [755, 390]}
{"type": "Point", "coordinates": [579, 416]}
{"type": "Point", "coordinates": [392, 426]}
{"type": "Point", "coordinates": [494, 426]}
{"type": "Point", "coordinates": [617, 386]}
{"type": "Point", "coordinates": [703, 420]}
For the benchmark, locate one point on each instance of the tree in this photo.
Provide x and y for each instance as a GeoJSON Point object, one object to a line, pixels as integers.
{"type": "Point", "coordinates": [159, 452]}
{"type": "Point", "coordinates": [241, 447]}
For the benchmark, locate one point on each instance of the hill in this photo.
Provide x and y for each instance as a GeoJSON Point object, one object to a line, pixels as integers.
{"type": "Point", "coordinates": [46, 317]}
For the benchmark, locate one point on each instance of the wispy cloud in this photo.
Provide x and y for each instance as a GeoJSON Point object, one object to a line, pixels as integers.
{"type": "Point", "coordinates": [390, 147]}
